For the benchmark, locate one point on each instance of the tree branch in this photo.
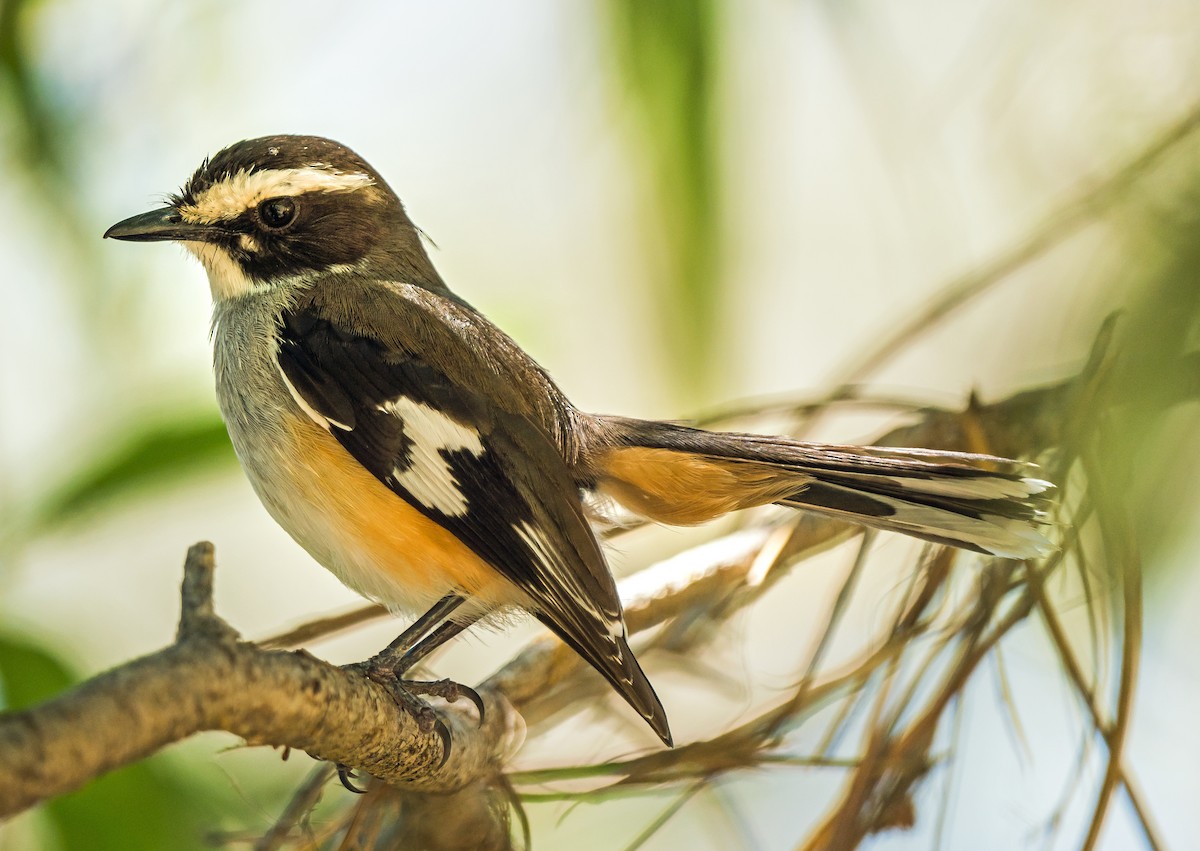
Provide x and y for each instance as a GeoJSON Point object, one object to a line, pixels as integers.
{"type": "Point", "coordinates": [211, 680]}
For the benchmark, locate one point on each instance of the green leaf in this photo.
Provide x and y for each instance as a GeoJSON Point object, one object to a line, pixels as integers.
{"type": "Point", "coordinates": [164, 452]}
{"type": "Point", "coordinates": [142, 806]}
{"type": "Point", "coordinates": [29, 673]}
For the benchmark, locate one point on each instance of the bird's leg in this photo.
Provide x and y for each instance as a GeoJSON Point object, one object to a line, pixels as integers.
{"type": "Point", "coordinates": [388, 666]}
{"type": "Point", "coordinates": [446, 689]}
{"type": "Point", "coordinates": [411, 637]}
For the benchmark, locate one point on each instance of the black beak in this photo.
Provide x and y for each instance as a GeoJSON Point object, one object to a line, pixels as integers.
{"type": "Point", "coordinates": [159, 225]}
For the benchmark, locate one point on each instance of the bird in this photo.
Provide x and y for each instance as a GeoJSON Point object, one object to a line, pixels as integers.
{"type": "Point", "coordinates": [417, 452]}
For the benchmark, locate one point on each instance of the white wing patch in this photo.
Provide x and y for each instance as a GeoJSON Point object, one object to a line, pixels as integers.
{"type": "Point", "coordinates": [428, 477]}
{"type": "Point", "coordinates": [241, 191]}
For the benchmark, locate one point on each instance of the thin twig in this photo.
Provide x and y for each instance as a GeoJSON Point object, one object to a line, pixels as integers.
{"type": "Point", "coordinates": [301, 804]}
{"type": "Point", "coordinates": [1055, 228]}
{"type": "Point", "coordinates": [1122, 554]}
{"type": "Point", "coordinates": [323, 627]}
{"type": "Point", "coordinates": [1070, 663]}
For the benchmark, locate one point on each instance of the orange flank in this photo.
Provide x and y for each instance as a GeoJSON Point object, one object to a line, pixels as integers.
{"type": "Point", "coordinates": [681, 489]}
{"type": "Point", "coordinates": [380, 532]}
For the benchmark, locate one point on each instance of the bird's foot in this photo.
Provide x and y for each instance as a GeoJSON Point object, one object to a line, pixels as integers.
{"type": "Point", "coordinates": [405, 694]}
{"type": "Point", "coordinates": [447, 690]}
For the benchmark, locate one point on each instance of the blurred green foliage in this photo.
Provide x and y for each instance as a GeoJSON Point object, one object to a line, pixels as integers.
{"type": "Point", "coordinates": [1150, 418]}
{"type": "Point", "coordinates": [44, 134]}
{"type": "Point", "coordinates": [667, 61]}
{"type": "Point", "coordinates": [152, 455]}
{"type": "Point", "coordinates": [40, 127]}
{"type": "Point", "coordinates": [149, 805]}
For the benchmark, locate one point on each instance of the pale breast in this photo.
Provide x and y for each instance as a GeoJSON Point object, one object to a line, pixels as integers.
{"type": "Point", "coordinates": [349, 521]}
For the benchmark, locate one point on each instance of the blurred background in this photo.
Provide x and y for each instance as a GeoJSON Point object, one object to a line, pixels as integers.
{"type": "Point", "coordinates": [671, 205]}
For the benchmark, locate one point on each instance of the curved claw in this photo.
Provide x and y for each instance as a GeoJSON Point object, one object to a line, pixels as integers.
{"type": "Point", "coordinates": [474, 697]}
{"type": "Point", "coordinates": [444, 732]}
{"type": "Point", "coordinates": [345, 775]}
{"type": "Point", "coordinates": [449, 691]}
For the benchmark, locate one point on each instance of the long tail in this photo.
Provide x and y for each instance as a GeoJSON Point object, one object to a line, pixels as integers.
{"type": "Point", "coordinates": [680, 475]}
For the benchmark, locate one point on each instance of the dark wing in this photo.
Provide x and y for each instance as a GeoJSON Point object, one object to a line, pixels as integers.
{"type": "Point", "coordinates": [493, 477]}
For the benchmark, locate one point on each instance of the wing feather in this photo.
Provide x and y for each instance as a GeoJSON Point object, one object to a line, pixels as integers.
{"type": "Point", "coordinates": [481, 468]}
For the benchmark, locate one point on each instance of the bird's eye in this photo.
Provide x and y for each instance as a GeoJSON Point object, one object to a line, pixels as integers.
{"type": "Point", "coordinates": [277, 213]}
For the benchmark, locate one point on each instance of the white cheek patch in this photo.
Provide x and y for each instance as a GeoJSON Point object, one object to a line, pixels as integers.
{"type": "Point", "coordinates": [226, 278]}
{"type": "Point", "coordinates": [428, 477]}
{"type": "Point", "coordinates": [245, 190]}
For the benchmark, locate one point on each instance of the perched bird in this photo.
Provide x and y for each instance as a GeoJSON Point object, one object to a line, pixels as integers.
{"type": "Point", "coordinates": [418, 453]}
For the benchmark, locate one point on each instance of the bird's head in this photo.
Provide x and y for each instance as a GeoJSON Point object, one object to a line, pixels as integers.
{"type": "Point", "coordinates": [282, 208]}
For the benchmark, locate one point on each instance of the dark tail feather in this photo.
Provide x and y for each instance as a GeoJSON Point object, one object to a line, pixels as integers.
{"type": "Point", "coordinates": [1002, 527]}
{"type": "Point", "coordinates": [978, 502]}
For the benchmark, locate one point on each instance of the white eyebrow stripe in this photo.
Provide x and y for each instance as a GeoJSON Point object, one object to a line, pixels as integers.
{"type": "Point", "coordinates": [243, 190]}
